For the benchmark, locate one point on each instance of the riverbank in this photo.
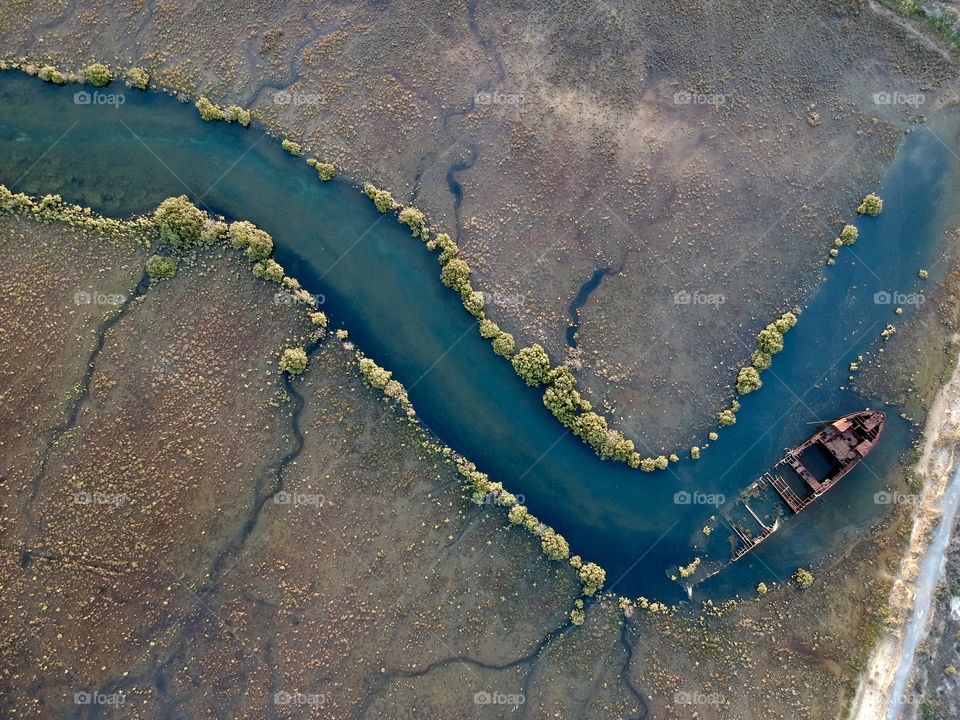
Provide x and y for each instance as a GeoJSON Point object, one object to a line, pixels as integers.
{"type": "Point", "coordinates": [937, 467]}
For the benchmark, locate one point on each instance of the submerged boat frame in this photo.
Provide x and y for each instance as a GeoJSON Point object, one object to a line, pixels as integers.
{"type": "Point", "coordinates": [843, 443]}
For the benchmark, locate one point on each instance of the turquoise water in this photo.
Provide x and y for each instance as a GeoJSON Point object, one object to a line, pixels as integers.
{"type": "Point", "coordinates": [382, 285]}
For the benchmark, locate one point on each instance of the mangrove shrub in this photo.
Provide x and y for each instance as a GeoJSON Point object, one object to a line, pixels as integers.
{"type": "Point", "coordinates": [872, 205]}
{"type": "Point", "coordinates": [98, 74]}
{"type": "Point", "coordinates": [455, 275]}
{"type": "Point", "coordinates": [748, 380]}
{"type": "Point", "coordinates": [247, 236]}
{"type": "Point", "coordinates": [374, 375]}
{"type": "Point", "coordinates": [503, 344]}
{"type": "Point", "coordinates": [291, 147]}
{"type": "Point", "coordinates": [180, 222]}
{"type": "Point", "coordinates": [293, 361]}
{"type": "Point", "coordinates": [532, 364]}
{"type": "Point", "coordinates": [161, 267]}
{"type": "Point", "coordinates": [592, 576]}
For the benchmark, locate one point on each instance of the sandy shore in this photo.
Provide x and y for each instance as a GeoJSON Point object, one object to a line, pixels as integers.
{"type": "Point", "coordinates": [936, 468]}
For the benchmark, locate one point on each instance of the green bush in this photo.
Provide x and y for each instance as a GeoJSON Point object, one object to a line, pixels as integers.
{"type": "Point", "coordinates": [268, 269]}
{"type": "Point", "coordinates": [213, 231]}
{"type": "Point", "coordinates": [761, 360]}
{"type": "Point", "coordinates": [770, 340]}
{"type": "Point", "coordinates": [235, 113]}
{"type": "Point", "coordinates": [374, 375]}
{"type": "Point", "coordinates": [291, 147]}
{"type": "Point", "coordinates": [139, 78]}
{"type": "Point", "coordinates": [532, 364]}
{"type": "Point", "coordinates": [748, 380]}
{"type": "Point", "coordinates": [554, 545]}
{"type": "Point", "coordinates": [455, 275]}
{"type": "Point", "coordinates": [98, 74]}
{"type": "Point", "coordinates": [472, 301]}
{"type": "Point", "coordinates": [761, 588]}
{"type": "Point", "coordinates": [592, 576]}
{"type": "Point", "coordinates": [785, 322]}
{"type": "Point", "coordinates": [414, 219]}
{"type": "Point", "coordinates": [872, 205]}
{"type": "Point", "coordinates": [489, 329]}
{"type": "Point", "coordinates": [180, 222]}
{"type": "Point", "coordinates": [448, 247]}
{"type": "Point", "coordinates": [726, 417]}
{"type": "Point", "coordinates": [161, 267]}
{"type": "Point", "coordinates": [695, 453]}
{"type": "Point", "coordinates": [503, 344]}
{"type": "Point", "coordinates": [803, 578]}
{"type": "Point", "coordinates": [381, 198]}
{"type": "Point", "coordinates": [319, 319]}
{"type": "Point", "coordinates": [849, 235]}
{"type": "Point", "coordinates": [294, 361]}
{"type": "Point", "coordinates": [48, 73]}
{"type": "Point", "coordinates": [247, 236]}
{"type": "Point", "coordinates": [561, 397]}
{"type": "Point", "coordinates": [208, 110]}
{"type": "Point", "coordinates": [325, 170]}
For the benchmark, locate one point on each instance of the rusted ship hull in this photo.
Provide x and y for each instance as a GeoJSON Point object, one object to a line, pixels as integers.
{"type": "Point", "coordinates": [800, 478]}
{"type": "Point", "coordinates": [809, 470]}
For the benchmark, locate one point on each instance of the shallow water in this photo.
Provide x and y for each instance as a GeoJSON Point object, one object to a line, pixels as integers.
{"type": "Point", "coordinates": [382, 285]}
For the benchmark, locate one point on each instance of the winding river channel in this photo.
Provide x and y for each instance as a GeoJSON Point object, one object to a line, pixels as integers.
{"type": "Point", "coordinates": [380, 283]}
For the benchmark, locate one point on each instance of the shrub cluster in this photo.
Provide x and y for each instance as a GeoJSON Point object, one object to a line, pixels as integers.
{"type": "Point", "coordinates": [325, 170]}
{"type": "Point", "coordinates": [381, 379]}
{"type": "Point", "coordinates": [161, 267]}
{"type": "Point", "coordinates": [748, 380]}
{"type": "Point", "coordinates": [139, 78]}
{"type": "Point", "coordinates": [293, 361]}
{"type": "Point", "coordinates": [255, 242]}
{"type": "Point", "coordinates": [48, 73]}
{"type": "Point", "coordinates": [98, 74]}
{"type": "Point", "coordinates": [381, 198]}
{"type": "Point", "coordinates": [179, 221]}
{"type": "Point", "coordinates": [872, 205]}
{"type": "Point", "coordinates": [291, 147]}
{"type": "Point", "coordinates": [231, 113]}
{"type": "Point", "coordinates": [803, 578]}
{"type": "Point", "coordinates": [532, 364]}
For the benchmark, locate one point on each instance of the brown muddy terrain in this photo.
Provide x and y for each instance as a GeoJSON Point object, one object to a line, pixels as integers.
{"type": "Point", "coordinates": [704, 148]}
